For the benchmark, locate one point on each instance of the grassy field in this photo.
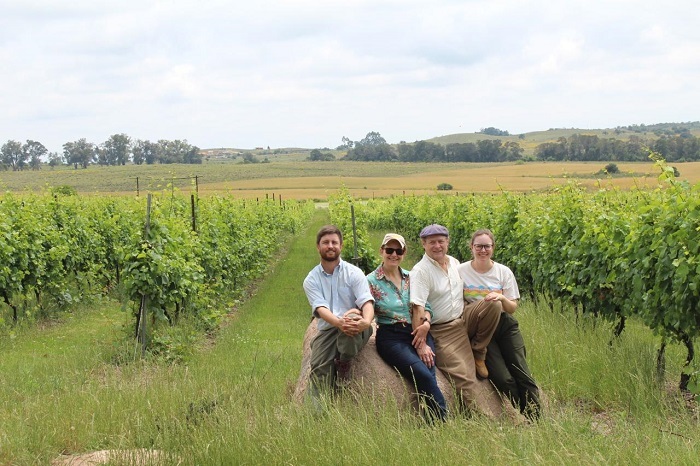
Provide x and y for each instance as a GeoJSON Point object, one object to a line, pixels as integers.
{"type": "Point", "coordinates": [309, 180]}
{"type": "Point", "coordinates": [61, 393]}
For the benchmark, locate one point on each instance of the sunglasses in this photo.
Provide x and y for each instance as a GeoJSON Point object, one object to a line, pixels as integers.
{"type": "Point", "coordinates": [390, 251]}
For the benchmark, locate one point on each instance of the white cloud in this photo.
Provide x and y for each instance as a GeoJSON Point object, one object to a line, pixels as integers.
{"type": "Point", "coordinates": [307, 72]}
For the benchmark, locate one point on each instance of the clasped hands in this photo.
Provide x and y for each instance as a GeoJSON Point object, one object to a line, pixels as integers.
{"type": "Point", "coordinates": [352, 323]}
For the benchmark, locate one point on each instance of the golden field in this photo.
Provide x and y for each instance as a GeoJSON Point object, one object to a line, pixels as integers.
{"type": "Point", "coordinates": [316, 180]}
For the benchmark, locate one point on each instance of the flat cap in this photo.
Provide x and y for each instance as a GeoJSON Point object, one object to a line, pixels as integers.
{"type": "Point", "coordinates": [434, 229]}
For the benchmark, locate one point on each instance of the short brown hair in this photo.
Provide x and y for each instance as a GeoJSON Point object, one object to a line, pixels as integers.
{"type": "Point", "coordinates": [329, 230]}
{"type": "Point", "coordinates": [483, 231]}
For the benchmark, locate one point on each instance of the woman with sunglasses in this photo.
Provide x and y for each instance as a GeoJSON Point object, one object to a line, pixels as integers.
{"type": "Point", "coordinates": [400, 335]}
{"type": "Point", "coordinates": [487, 280]}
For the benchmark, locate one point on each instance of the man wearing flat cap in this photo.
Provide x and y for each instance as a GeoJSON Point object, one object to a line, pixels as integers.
{"type": "Point", "coordinates": [435, 279]}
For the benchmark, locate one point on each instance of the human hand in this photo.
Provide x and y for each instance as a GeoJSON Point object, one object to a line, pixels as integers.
{"type": "Point", "coordinates": [426, 354]}
{"type": "Point", "coordinates": [493, 296]}
{"type": "Point", "coordinates": [353, 323]}
{"type": "Point", "coordinates": [420, 333]}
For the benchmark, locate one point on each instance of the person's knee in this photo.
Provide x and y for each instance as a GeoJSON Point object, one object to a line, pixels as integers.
{"type": "Point", "coordinates": [504, 381]}
{"type": "Point", "coordinates": [420, 373]}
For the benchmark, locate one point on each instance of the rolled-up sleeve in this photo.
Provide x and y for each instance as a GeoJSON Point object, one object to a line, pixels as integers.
{"type": "Point", "coordinates": [314, 293]}
{"type": "Point", "coordinates": [420, 287]}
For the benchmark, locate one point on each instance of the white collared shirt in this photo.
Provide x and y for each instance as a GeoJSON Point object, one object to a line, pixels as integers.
{"type": "Point", "coordinates": [443, 290]}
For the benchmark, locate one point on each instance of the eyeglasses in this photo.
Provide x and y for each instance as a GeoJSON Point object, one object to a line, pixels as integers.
{"type": "Point", "coordinates": [390, 251]}
{"type": "Point", "coordinates": [482, 247]}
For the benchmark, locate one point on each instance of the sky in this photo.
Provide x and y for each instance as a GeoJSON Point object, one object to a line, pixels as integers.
{"type": "Point", "coordinates": [306, 73]}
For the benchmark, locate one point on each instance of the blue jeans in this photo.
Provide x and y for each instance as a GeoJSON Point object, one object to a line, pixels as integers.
{"type": "Point", "coordinates": [395, 348]}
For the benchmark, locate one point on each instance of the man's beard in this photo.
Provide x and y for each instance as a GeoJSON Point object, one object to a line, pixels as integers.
{"type": "Point", "coordinates": [330, 256]}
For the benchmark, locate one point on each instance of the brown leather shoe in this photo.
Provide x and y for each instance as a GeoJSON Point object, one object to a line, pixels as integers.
{"type": "Point", "coordinates": [481, 371]}
{"type": "Point", "coordinates": [342, 368]}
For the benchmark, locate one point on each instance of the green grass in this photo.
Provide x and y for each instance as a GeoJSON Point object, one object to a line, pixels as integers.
{"type": "Point", "coordinates": [230, 404]}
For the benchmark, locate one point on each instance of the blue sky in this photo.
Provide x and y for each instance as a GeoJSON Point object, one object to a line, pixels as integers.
{"type": "Point", "coordinates": [305, 73]}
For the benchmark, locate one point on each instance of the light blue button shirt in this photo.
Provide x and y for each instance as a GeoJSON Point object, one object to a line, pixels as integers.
{"type": "Point", "coordinates": [344, 289]}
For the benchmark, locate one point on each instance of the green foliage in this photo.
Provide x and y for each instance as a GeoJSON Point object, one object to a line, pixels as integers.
{"type": "Point", "coordinates": [583, 249]}
{"type": "Point", "coordinates": [60, 250]}
{"type": "Point", "coordinates": [64, 190]}
{"type": "Point", "coordinates": [444, 187]}
{"type": "Point", "coordinates": [611, 168]}
{"type": "Point", "coordinates": [491, 131]}
{"type": "Point", "coordinates": [318, 156]}
{"type": "Point", "coordinates": [340, 207]}
{"type": "Point", "coordinates": [602, 406]}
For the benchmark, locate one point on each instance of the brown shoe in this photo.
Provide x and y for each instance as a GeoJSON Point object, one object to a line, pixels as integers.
{"type": "Point", "coordinates": [342, 368]}
{"type": "Point", "coordinates": [481, 371]}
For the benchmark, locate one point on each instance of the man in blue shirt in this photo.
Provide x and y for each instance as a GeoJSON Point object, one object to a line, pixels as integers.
{"type": "Point", "coordinates": [340, 299]}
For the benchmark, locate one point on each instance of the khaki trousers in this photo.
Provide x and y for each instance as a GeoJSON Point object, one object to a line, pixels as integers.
{"type": "Point", "coordinates": [455, 351]}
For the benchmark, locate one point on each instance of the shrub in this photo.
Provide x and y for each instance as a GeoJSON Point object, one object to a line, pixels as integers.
{"type": "Point", "coordinates": [611, 168]}
{"type": "Point", "coordinates": [444, 187]}
{"type": "Point", "coordinates": [64, 189]}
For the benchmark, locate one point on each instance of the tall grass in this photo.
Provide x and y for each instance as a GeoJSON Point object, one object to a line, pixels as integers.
{"type": "Point", "coordinates": [231, 404]}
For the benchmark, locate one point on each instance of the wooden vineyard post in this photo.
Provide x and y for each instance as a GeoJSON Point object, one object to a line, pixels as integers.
{"type": "Point", "coordinates": [194, 215]}
{"type": "Point", "coordinates": [355, 259]}
{"type": "Point", "coordinates": [141, 335]}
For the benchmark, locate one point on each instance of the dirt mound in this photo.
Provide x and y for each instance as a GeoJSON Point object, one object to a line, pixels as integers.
{"type": "Point", "coordinates": [370, 374]}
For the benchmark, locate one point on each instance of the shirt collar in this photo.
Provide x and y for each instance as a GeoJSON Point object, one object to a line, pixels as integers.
{"type": "Point", "coordinates": [381, 276]}
{"type": "Point", "coordinates": [338, 267]}
{"type": "Point", "coordinates": [436, 263]}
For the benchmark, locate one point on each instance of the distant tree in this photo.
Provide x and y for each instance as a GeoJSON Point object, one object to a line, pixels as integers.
{"type": "Point", "coordinates": [346, 145]}
{"type": "Point", "coordinates": [373, 148]}
{"type": "Point", "coordinates": [177, 151]}
{"type": "Point", "coordinates": [117, 149]}
{"type": "Point", "coordinates": [513, 151]}
{"type": "Point", "coordinates": [372, 138]}
{"type": "Point", "coordinates": [79, 153]}
{"type": "Point", "coordinates": [444, 187]}
{"type": "Point", "coordinates": [13, 155]}
{"type": "Point", "coordinates": [462, 152]}
{"type": "Point", "coordinates": [552, 151]}
{"type": "Point", "coordinates": [249, 157]}
{"type": "Point", "coordinates": [491, 131]}
{"type": "Point", "coordinates": [54, 159]}
{"type": "Point", "coordinates": [34, 151]}
{"type": "Point", "coordinates": [317, 156]}
{"type": "Point", "coordinates": [421, 151]}
{"type": "Point", "coordinates": [144, 152]}
{"type": "Point", "coordinates": [490, 150]}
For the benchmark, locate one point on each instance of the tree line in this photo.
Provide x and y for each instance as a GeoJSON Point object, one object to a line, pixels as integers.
{"type": "Point", "coordinates": [682, 147]}
{"type": "Point", "coordinates": [375, 148]}
{"type": "Point", "coordinates": [118, 149]}
{"type": "Point", "coordinates": [679, 147]}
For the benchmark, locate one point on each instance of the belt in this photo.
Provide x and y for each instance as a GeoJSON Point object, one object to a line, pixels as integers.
{"type": "Point", "coordinates": [443, 323]}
